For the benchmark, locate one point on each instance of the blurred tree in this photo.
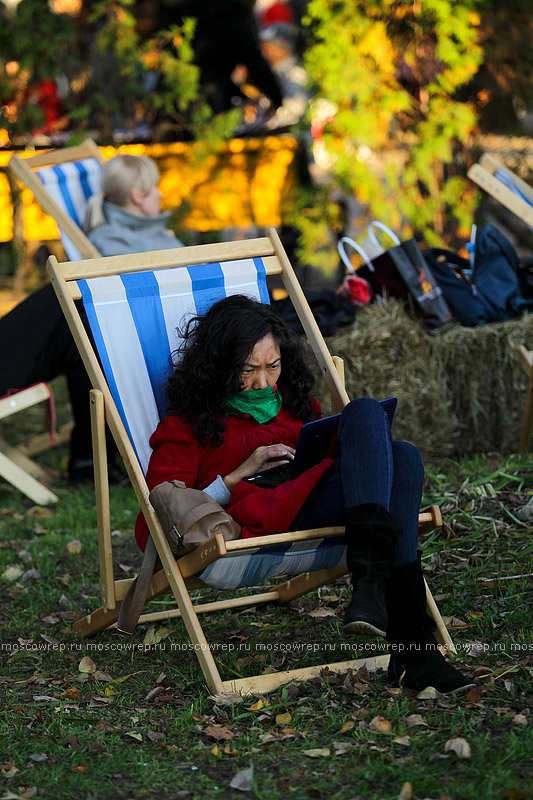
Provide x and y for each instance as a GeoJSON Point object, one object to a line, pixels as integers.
{"type": "Point", "coordinates": [384, 75]}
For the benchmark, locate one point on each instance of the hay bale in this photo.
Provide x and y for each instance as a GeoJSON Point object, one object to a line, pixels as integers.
{"type": "Point", "coordinates": [459, 392]}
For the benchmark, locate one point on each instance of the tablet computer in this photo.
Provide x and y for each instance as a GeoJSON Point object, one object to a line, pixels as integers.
{"type": "Point", "coordinates": [314, 443]}
{"type": "Point", "coordinates": [317, 437]}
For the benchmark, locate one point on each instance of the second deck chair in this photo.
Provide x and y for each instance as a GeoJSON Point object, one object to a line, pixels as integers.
{"type": "Point", "coordinates": [134, 304]}
{"type": "Point", "coordinates": [62, 182]}
{"type": "Point", "coordinates": [506, 187]}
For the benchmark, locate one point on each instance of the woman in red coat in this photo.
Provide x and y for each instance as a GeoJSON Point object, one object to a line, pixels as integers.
{"type": "Point", "coordinates": [237, 400]}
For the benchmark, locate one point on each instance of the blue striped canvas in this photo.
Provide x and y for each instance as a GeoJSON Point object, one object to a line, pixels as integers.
{"type": "Point", "coordinates": [259, 563]}
{"type": "Point", "coordinates": [134, 320]}
{"type": "Point", "coordinates": [71, 185]}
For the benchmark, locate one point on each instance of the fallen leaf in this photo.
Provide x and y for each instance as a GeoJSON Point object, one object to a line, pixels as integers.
{"type": "Point", "coordinates": [319, 613]}
{"type": "Point", "coordinates": [380, 724]}
{"type": "Point", "coordinates": [216, 751]}
{"type": "Point", "coordinates": [256, 706]}
{"type": "Point", "coordinates": [224, 698]}
{"type": "Point", "coordinates": [155, 635]}
{"type": "Point", "coordinates": [40, 512]}
{"type": "Point", "coordinates": [133, 735]}
{"type": "Point", "coordinates": [79, 768]}
{"type": "Point", "coordinates": [341, 748]}
{"type": "Point", "coordinates": [415, 719]}
{"type": "Point", "coordinates": [520, 719]}
{"type": "Point", "coordinates": [219, 732]}
{"type": "Point", "coordinates": [12, 573]}
{"type": "Point", "coordinates": [74, 546]}
{"type": "Point", "coordinates": [39, 757]}
{"type": "Point", "coordinates": [406, 792]}
{"type": "Point", "coordinates": [283, 719]}
{"type": "Point", "coordinates": [347, 727]}
{"type": "Point", "coordinates": [243, 781]}
{"type": "Point", "coordinates": [95, 749]}
{"type": "Point", "coordinates": [474, 694]}
{"type": "Point", "coordinates": [405, 740]}
{"type": "Point", "coordinates": [459, 746]}
{"type": "Point", "coordinates": [86, 665]}
{"type": "Point", "coordinates": [72, 694]}
{"type": "Point", "coordinates": [8, 770]}
{"type": "Point", "coordinates": [429, 693]}
{"type": "Point", "coordinates": [317, 752]}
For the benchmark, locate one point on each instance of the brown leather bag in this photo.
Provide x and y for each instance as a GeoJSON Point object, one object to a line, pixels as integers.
{"type": "Point", "coordinates": [189, 518]}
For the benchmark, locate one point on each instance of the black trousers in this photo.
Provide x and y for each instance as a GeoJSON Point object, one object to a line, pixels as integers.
{"type": "Point", "coordinates": [36, 345]}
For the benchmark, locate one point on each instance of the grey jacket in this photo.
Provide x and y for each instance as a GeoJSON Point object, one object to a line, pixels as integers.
{"type": "Point", "coordinates": [128, 233]}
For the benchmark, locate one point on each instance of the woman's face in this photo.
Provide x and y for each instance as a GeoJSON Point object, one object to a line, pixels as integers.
{"type": "Point", "coordinates": [149, 204]}
{"type": "Point", "coordinates": [263, 366]}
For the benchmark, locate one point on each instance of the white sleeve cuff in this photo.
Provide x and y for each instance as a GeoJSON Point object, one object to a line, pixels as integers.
{"type": "Point", "coordinates": [218, 491]}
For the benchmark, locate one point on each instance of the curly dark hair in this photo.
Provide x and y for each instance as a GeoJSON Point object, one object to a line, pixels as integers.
{"type": "Point", "coordinates": [208, 364]}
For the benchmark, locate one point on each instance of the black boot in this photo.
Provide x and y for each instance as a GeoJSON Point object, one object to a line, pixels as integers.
{"type": "Point", "coordinates": [371, 537]}
{"type": "Point", "coordinates": [415, 659]}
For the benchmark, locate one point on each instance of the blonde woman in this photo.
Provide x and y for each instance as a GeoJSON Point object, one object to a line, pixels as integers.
{"type": "Point", "coordinates": [125, 216]}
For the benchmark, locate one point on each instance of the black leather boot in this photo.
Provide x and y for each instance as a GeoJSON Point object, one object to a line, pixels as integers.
{"type": "Point", "coordinates": [371, 538]}
{"type": "Point", "coordinates": [415, 659]}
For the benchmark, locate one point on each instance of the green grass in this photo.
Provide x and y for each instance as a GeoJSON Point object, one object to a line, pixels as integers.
{"type": "Point", "coordinates": [77, 743]}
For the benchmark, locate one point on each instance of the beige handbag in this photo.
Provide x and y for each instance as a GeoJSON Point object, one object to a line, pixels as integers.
{"type": "Point", "coordinates": [189, 518]}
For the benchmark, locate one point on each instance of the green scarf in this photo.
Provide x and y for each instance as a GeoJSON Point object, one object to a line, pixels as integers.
{"type": "Point", "coordinates": [262, 404]}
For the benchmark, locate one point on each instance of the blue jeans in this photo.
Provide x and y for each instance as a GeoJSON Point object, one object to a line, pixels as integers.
{"type": "Point", "coordinates": [372, 468]}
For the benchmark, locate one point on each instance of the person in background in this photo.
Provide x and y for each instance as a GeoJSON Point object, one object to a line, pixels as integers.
{"type": "Point", "coordinates": [35, 340]}
{"type": "Point", "coordinates": [125, 216]}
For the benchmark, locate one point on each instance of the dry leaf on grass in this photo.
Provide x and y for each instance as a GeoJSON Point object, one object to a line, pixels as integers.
{"type": "Point", "coordinates": [12, 573]}
{"type": "Point", "coordinates": [429, 693]}
{"type": "Point", "coordinates": [155, 635]}
{"type": "Point", "coordinates": [219, 732]}
{"type": "Point", "coordinates": [243, 781]}
{"type": "Point", "coordinates": [74, 546]}
{"type": "Point", "coordinates": [225, 698]}
{"type": "Point", "coordinates": [415, 719]}
{"type": "Point", "coordinates": [39, 757]}
{"type": "Point", "coordinates": [380, 724]}
{"type": "Point", "coordinates": [405, 740]}
{"type": "Point", "coordinates": [283, 719]}
{"type": "Point", "coordinates": [459, 746]}
{"type": "Point", "coordinates": [320, 613]}
{"type": "Point", "coordinates": [86, 665]}
{"type": "Point", "coordinates": [317, 752]}
{"type": "Point", "coordinates": [406, 792]}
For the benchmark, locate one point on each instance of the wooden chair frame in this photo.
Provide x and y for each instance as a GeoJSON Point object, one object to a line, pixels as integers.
{"type": "Point", "coordinates": [483, 174]}
{"type": "Point", "coordinates": [179, 576]}
{"type": "Point", "coordinates": [23, 169]}
{"type": "Point", "coordinates": [15, 464]}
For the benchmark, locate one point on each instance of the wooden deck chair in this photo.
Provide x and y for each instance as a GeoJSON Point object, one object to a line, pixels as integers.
{"type": "Point", "coordinates": [525, 359]}
{"type": "Point", "coordinates": [506, 187]}
{"type": "Point", "coordinates": [62, 182]}
{"type": "Point", "coordinates": [134, 304]}
{"type": "Point", "coordinates": [16, 466]}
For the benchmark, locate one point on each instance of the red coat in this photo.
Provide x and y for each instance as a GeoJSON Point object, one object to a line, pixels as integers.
{"type": "Point", "coordinates": [177, 453]}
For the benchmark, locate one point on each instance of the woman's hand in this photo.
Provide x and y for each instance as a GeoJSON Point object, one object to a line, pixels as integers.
{"type": "Point", "coordinates": [266, 457]}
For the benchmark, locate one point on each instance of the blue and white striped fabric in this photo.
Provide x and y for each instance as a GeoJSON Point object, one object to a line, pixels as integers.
{"type": "Point", "coordinates": [134, 320]}
{"type": "Point", "coordinates": [258, 563]}
{"type": "Point", "coordinates": [71, 185]}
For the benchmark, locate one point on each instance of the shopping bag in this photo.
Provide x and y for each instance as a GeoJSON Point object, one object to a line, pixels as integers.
{"type": "Point", "coordinates": [401, 271]}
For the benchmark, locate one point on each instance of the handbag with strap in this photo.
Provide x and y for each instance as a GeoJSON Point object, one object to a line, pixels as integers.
{"type": "Point", "coordinates": [189, 518]}
{"type": "Point", "coordinates": [403, 272]}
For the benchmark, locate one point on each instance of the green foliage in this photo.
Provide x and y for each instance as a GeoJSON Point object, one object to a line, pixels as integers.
{"type": "Point", "coordinates": [392, 70]}
{"type": "Point", "coordinates": [34, 44]}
